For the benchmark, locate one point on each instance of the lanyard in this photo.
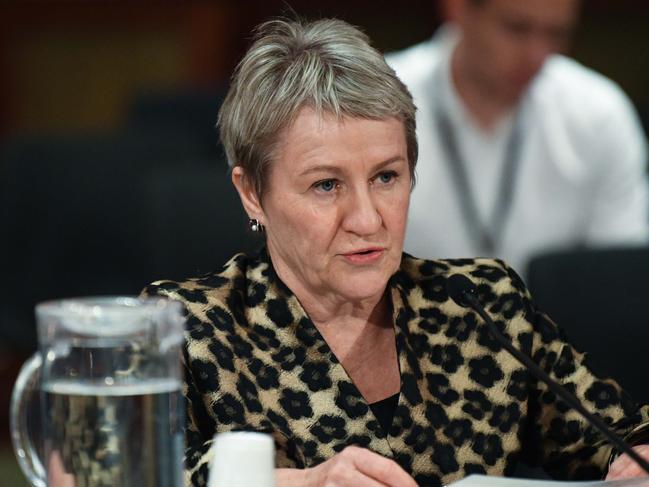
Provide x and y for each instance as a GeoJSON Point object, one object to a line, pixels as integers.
{"type": "Point", "coordinates": [487, 235]}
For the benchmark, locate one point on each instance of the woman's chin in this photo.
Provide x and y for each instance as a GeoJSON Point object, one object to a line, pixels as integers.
{"type": "Point", "coordinates": [362, 286]}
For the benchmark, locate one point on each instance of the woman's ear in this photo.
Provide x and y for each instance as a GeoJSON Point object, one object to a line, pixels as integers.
{"type": "Point", "coordinates": [248, 195]}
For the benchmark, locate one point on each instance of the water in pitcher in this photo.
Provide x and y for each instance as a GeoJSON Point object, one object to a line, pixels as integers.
{"type": "Point", "coordinates": [114, 436]}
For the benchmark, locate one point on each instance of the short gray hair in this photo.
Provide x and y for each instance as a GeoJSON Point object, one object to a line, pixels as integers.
{"type": "Point", "coordinates": [328, 65]}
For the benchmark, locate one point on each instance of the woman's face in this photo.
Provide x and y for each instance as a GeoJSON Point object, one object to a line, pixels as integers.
{"type": "Point", "coordinates": [336, 206]}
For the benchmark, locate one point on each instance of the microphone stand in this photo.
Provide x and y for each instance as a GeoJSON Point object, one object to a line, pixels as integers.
{"type": "Point", "coordinates": [471, 300]}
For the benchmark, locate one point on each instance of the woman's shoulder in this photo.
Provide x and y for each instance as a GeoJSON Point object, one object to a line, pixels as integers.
{"type": "Point", "coordinates": [213, 287]}
{"type": "Point", "coordinates": [492, 272]}
{"type": "Point", "coordinates": [424, 284]}
{"type": "Point", "coordinates": [424, 292]}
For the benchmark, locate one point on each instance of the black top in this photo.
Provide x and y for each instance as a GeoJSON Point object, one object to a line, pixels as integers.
{"type": "Point", "coordinates": [383, 410]}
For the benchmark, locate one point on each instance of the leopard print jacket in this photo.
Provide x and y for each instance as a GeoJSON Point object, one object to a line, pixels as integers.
{"type": "Point", "coordinates": [255, 361]}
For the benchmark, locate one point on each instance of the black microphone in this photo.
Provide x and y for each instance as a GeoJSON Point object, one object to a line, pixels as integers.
{"type": "Point", "coordinates": [464, 293]}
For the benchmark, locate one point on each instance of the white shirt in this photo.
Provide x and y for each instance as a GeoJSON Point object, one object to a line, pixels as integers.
{"type": "Point", "coordinates": [581, 176]}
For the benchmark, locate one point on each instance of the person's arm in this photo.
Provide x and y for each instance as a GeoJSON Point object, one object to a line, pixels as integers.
{"type": "Point", "coordinates": [197, 445]}
{"type": "Point", "coordinates": [198, 420]}
{"type": "Point", "coordinates": [557, 437]}
{"type": "Point", "coordinates": [620, 189]}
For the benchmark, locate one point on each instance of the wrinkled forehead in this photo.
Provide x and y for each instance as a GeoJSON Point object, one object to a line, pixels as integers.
{"type": "Point", "coordinates": [318, 117]}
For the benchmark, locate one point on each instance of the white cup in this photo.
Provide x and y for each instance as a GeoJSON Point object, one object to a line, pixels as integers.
{"type": "Point", "coordinates": [242, 459]}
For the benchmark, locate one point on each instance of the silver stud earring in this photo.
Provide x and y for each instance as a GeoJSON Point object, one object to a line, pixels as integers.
{"type": "Point", "coordinates": [255, 225]}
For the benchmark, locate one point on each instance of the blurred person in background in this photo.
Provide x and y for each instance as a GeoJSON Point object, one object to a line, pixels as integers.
{"type": "Point", "coordinates": [522, 150]}
{"type": "Point", "coordinates": [348, 352]}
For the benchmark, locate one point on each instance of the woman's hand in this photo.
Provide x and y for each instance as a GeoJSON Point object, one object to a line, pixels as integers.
{"type": "Point", "coordinates": [624, 467]}
{"type": "Point", "coordinates": [352, 467]}
{"type": "Point", "coordinates": [56, 474]}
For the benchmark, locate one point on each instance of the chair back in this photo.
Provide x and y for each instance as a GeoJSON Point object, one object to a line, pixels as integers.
{"type": "Point", "coordinates": [194, 221]}
{"type": "Point", "coordinates": [601, 300]}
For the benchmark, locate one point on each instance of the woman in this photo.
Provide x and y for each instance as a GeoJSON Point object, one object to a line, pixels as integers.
{"type": "Point", "coordinates": [347, 351]}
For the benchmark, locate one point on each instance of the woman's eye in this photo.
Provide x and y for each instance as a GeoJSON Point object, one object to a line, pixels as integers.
{"type": "Point", "coordinates": [386, 177]}
{"type": "Point", "coordinates": [326, 185]}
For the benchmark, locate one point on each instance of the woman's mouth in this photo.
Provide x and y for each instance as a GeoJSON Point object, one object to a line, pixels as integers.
{"type": "Point", "coordinates": [365, 256]}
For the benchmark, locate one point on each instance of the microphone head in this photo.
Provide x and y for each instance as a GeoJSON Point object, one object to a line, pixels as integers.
{"type": "Point", "coordinates": [461, 290]}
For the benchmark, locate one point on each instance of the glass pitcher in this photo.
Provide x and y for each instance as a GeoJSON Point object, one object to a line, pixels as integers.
{"type": "Point", "coordinates": [108, 380]}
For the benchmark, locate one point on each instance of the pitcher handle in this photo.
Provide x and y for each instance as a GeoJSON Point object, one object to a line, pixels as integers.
{"type": "Point", "coordinates": [28, 380]}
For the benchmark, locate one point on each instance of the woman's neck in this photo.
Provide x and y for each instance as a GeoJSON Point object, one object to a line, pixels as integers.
{"type": "Point", "coordinates": [366, 348]}
{"type": "Point", "coordinates": [357, 330]}
{"type": "Point", "coordinates": [347, 326]}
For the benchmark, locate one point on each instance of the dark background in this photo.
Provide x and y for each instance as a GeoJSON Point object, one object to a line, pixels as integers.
{"type": "Point", "coordinates": [106, 105]}
{"type": "Point", "coordinates": [76, 64]}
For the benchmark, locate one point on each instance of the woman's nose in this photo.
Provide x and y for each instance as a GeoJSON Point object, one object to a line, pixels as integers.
{"type": "Point", "coordinates": [362, 215]}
